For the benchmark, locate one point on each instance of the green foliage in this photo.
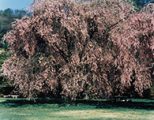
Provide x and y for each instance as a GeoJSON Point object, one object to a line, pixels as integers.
{"type": "Point", "coordinates": [3, 56]}
{"type": "Point", "coordinates": [3, 82]}
{"type": "Point", "coordinates": [139, 3]}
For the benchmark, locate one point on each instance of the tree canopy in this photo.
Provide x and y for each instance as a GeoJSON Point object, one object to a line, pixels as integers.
{"type": "Point", "coordinates": [70, 49]}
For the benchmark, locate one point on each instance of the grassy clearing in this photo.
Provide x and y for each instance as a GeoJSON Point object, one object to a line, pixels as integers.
{"type": "Point", "coordinates": [12, 111]}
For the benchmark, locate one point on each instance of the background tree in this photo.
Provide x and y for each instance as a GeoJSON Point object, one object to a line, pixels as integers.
{"type": "Point", "coordinates": [140, 3]}
{"type": "Point", "coordinates": [68, 49]}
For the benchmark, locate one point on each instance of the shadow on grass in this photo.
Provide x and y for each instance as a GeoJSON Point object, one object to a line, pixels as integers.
{"type": "Point", "coordinates": [20, 102]}
{"type": "Point", "coordinates": [145, 104]}
{"type": "Point", "coordinates": [131, 105]}
{"type": "Point", "coordinates": [97, 103]}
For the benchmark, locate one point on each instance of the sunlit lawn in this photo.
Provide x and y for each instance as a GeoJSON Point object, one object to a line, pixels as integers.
{"type": "Point", "coordinates": [12, 111]}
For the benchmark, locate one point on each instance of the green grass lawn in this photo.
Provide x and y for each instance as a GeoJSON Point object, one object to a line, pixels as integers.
{"type": "Point", "coordinates": [13, 111]}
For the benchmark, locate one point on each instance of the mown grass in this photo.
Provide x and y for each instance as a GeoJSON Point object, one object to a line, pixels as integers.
{"type": "Point", "coordinates": [13, 111]}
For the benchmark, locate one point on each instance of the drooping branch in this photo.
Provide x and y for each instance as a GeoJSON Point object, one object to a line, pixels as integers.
{"type": "Point", "coordinates": [72, 50]}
